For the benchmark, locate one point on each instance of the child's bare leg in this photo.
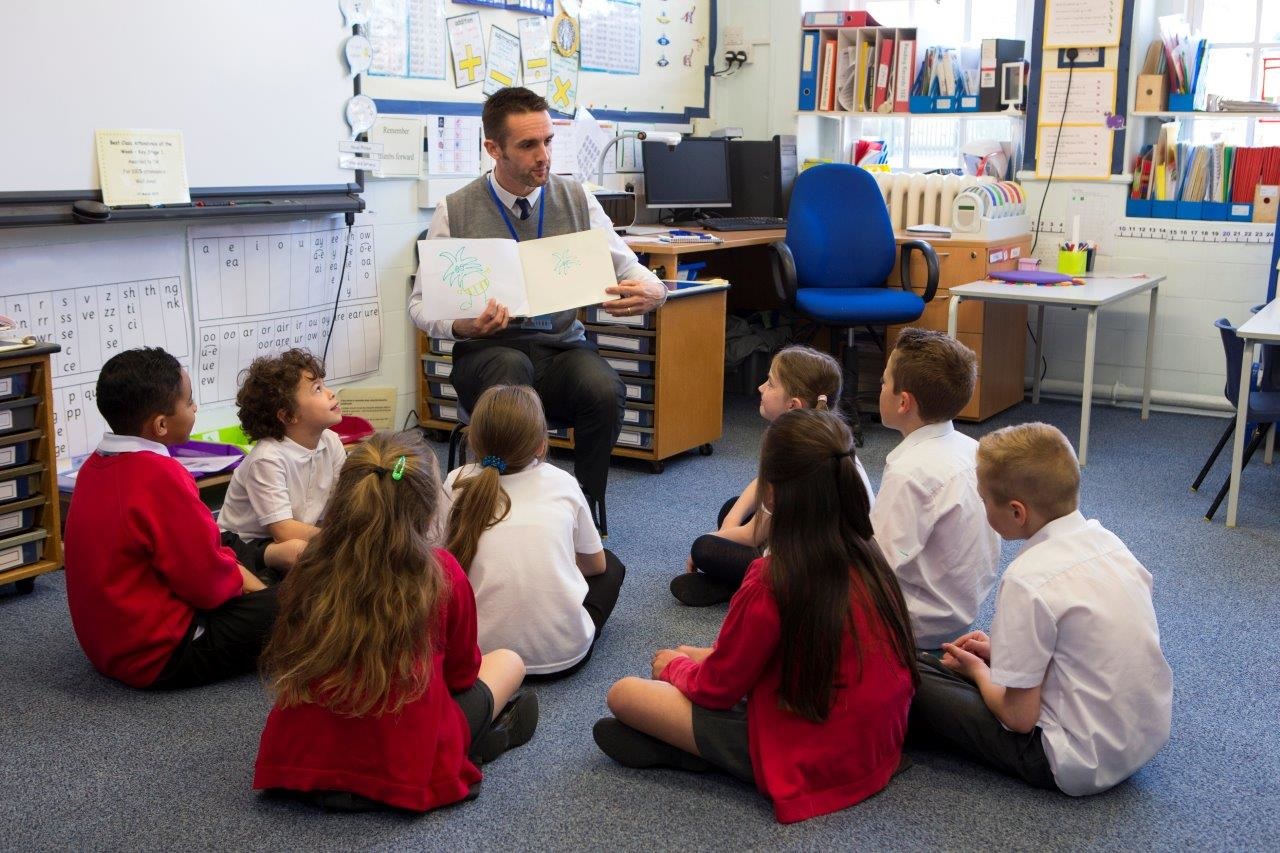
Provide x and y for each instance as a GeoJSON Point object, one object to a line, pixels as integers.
{"type": "Point", "coordinates": [656, 708]}
{"type": "Point", "coordinates": [502, 671]}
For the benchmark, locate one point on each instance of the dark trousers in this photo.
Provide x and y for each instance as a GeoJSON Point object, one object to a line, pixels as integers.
{"type": "Point", "coordinates": [233, 637]}
{"type": "Point", "coordinates": [602, 595]}
{"type": "Point", "coordinates": [720, 559]}
{"type": "Point", "coordinates": [948, 713]}
{"type": "Point", "coordinates": [252, 555]}
{"type": "Point", "coordinates": [577, 388]}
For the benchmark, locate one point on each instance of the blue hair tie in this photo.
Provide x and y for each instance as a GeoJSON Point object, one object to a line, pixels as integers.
{"type": "Point", "coordinates": [494, 462]}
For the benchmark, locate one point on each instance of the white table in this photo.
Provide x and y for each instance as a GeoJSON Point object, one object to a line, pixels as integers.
{"type": "Point", "coordinates": [1095, 293]}
{"type": "Point", "coordinates": [1263, 326]}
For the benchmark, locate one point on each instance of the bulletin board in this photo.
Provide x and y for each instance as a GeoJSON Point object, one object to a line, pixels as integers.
{"type": "Point", "coordinates": [661, 75]}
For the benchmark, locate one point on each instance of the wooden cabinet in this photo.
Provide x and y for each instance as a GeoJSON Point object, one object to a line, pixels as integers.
{"type": "Point", "coordinates": [671, 361]}
{"type": "Point", "coordinates": [996, 333]}
{"type": "Point", "coordinates": [30, 529]}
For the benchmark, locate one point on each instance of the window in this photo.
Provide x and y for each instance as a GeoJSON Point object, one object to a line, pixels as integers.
{"type": "Point", "coordinates": [1243, 63]}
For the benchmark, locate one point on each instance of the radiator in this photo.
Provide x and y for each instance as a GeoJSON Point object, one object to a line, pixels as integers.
{"type": "Point", "coordinates": [917, 199]}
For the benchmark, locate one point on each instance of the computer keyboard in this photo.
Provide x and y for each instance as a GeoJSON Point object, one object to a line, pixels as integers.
{"type": "Point", "coordinates": [743, 223]}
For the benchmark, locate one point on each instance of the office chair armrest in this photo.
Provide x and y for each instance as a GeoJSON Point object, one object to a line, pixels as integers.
{"type": "Point", "coordinates": [931, 261]}
{"type": "Point", "coordinates": [783, 264]}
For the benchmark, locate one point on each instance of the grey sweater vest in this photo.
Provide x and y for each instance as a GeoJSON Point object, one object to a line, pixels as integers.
{"type": "Point", "coordinates": [473, 214]}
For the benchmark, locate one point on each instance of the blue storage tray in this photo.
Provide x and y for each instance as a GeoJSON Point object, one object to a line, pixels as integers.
{"type": "Point", "coordinates": [14, 381]}
{"type": "Point", "coordinates": [20, 515]}
{"type": "Point", "coordinates": [20, 482]}
{"type": "Point", "coordinates": [17, 414]}
{"type": "Point", "coordinates": [22, 549]}
{"type": "Point", "coordinates": [17, 448]}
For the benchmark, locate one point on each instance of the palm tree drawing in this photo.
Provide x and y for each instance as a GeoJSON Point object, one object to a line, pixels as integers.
{"type": "Point", "coordinates": [466, 274]}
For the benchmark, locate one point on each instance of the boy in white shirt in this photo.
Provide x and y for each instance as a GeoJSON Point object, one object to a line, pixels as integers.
{"type": "Point", "coordinates": [928, 519]}
{"type": "Point", "coordinates": [1071, 690]}
{"type": "Point", "coordinates": [279, 492]}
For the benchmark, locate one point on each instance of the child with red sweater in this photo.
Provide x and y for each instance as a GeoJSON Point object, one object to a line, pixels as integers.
{"type": "Point", "coordinates": [382, 695]}
{"type": "Point", "coordinates": [817, 640]}
{"type": "Point", "coordinates": [155, 600]}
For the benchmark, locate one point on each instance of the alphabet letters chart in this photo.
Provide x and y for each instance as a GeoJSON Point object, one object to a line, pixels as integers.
{"type": "Point", "coordinates": [263, 288]}
{"type": "Point", "coordinates": [95, 299]}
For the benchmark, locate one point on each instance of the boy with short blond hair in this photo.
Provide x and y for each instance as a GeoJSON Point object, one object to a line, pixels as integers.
{"type": "Point", "coordinates": [927, 517]}
{"type": "Point", "coordinates": [1071, 691]}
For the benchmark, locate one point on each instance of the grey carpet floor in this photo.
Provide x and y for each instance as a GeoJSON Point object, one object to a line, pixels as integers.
{"type": "Point", "coordinates": [88, 764]}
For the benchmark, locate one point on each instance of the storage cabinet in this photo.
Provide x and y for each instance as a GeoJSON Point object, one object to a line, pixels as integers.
{"type": "Point", "coordinates": [996, 333]}
{"type": "Point", "coordinates": [671, 362]}
{"type": "Point", "coordinates": [30, 530]}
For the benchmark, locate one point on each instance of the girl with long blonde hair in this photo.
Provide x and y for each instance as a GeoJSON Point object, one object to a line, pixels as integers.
{"type": "Point", "coordinates": [522, 530]}
{"type": "Point", "coordinates": [382, 695]}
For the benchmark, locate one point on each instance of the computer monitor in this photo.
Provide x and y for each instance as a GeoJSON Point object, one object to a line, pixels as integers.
{"type": "Point", "coordinates": [693, 174]}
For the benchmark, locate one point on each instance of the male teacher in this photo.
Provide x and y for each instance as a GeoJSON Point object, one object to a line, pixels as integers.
{"type": "Point", "coordinates": [523, 200]}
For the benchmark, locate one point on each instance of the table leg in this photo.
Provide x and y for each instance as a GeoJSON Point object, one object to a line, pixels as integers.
{"type": "Point", "coordinates": [1151, 343]}
{"type": "Point", "coordinates": [1035, 365]}
{"type": "Point", "coordinates": [1237, 449]}
{"type": "Point", "coordinates": [953, 316]}
{"type": "Point", "coordinates": [1086, 403]}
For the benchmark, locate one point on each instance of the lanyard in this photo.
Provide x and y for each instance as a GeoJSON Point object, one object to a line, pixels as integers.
{"type": "Point", "coordinates": [542, 209]}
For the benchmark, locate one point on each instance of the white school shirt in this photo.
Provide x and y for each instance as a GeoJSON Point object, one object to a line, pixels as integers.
{"type": "Point", "coordinates": [1074, 614]}
{"type": "Point", "coordinates": [626, 266]}
{"type": "Point", "coordinates": [526, 580]}
{"type": "Point", "coordinates": [932, 527]}
{"type": "Point", "coordinates": [280, 479]}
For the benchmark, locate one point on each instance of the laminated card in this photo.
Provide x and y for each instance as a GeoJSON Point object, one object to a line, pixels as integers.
{"type": "Point", "coordinates": [531, 278]}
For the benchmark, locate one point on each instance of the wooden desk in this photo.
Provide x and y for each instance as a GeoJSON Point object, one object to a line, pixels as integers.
{"type": "Point", "coordinates": [1261, 327]}
{"type": "Point", "coordinates": [1095, 293]}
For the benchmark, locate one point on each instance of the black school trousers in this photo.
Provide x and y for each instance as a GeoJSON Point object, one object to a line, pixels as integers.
{"type": "Point", "coordinates": [577, 388]}
{"type": "Point", "coordinates": [221, 643]}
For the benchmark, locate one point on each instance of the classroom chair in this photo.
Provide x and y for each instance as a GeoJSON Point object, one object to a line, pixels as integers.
{"type": "Point", "coordinates": [1263, 410]}
{"type": "Point", "coordinates": [834, 265]}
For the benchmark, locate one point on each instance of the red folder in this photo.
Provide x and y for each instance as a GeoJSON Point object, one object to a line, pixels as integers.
{"type": "Point", "coordinates": [882, 73]}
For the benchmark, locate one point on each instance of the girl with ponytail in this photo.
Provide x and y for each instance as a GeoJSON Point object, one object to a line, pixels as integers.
{"type": "Point", "coordinates": [806, 690]}
{"type": "Point", "coordinates": [523, 531]}
{"type": "Point", "coordinates": [382, 695]}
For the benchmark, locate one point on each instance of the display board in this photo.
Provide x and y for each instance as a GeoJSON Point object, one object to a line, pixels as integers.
{"type": "Point", "coordinates": [638, 60]}
{"type": "Point", "coordinates": [258, 90]}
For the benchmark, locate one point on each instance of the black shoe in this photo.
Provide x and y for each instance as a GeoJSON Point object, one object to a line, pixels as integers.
{"type": "Point", "coordinates": [513, 727]}
{"type": "Point", "coordinates": [632, 748]}
{"type": "Point", "coordinates": [697, 590]}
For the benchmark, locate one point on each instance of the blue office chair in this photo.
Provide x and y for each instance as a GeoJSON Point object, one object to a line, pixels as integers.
{"type": "Point", "coordinates": [1263, 410]}
{"type": "Point", "coordinates": [834, 265]}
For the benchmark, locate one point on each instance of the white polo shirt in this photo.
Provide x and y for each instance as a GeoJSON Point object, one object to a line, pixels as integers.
{"type": "Point", "coordinates": [1074, 613]}
{"type": "Point", "coordinates": [527, 584]}
{"type": "Point", "coordinates": [932, 527]}
{"type": "Point", "coordinates": [280, 479]}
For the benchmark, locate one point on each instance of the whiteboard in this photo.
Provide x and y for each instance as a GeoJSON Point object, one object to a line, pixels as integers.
{"type": "Point", "coordinates": [677, 52]}
{"type": "Point", "coordinates": [257, 87]}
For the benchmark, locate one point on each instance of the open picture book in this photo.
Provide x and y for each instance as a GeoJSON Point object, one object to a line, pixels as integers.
{"type": "Point", "coordinates": [532, 277]}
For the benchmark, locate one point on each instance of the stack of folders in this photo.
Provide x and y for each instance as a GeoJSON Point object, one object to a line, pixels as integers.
{"type": "Point", "coordinates": [1184, 64]}
{"type": "Point", "coordinates": [1212, 182]}
{"type": "Point", "coordinates": [944, 84]}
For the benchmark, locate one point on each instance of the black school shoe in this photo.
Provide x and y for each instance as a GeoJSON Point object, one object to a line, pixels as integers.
{"type": "Point", "coordinates": [632, 748]}
{"type": "Point", "coordinates": [513, 727]}
{"type": "Point", "coordinates": [696, 589]}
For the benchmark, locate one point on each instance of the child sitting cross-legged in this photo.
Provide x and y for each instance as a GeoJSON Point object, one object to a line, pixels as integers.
{"type": "Point", "coordinates": [155, 599]}
{"type": "Point", "coordinates": [278, 494]}
{"type": "Point", "coordinates": [382, 696]}
{"type": "Point", "coordinates": [1071, 690]}
{"type": "Point", "coordinates": [806, 690]}
{"type": "Point", "coordinates": [928, 518]}
{"type": "Point", "coordinates": [522, 530]}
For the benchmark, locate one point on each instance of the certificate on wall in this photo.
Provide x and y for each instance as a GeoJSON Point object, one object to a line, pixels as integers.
{"type": "Point", "coordinates": [142, 167]}
{"type": "Point", "coordinates": [466, 43]}
{"type": "Point", "coordinates": [504, 61]}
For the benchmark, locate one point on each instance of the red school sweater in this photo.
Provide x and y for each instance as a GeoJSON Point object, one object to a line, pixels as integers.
{"type": "Point", "coordinates": [807, 769]}
{"type": "Point", "coordinates": [142, 556]}
{"type": "Point", "coordinates": [415, 759]}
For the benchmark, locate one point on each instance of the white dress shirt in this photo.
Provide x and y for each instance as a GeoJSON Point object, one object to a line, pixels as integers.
{"type": "Point", "coordinates": [932, 527]}
{"type": "Point", "coordinates": [1074, 614]}
{"type": "Point", "coordinates": [625, 263]}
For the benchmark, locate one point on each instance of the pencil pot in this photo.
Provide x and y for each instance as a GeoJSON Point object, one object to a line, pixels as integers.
{"type": "Point", "coordinates": [1073, 263]}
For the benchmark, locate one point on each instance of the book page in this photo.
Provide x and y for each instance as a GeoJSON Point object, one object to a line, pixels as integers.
{"type": "Point", "coordinates": [459, 275]}
{"type": "Point", "coordinates": [567, 271]}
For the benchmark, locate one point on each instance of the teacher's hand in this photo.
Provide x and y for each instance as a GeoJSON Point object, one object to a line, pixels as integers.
{"type": "Point", "coordinates": [494, 319]}
{"type": "Point", "coordinates": [635, 297]}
